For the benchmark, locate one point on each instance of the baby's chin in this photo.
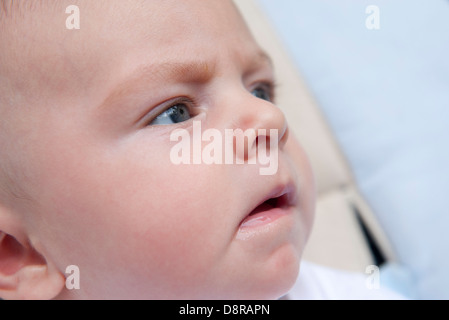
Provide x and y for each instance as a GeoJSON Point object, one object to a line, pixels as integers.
{"type": "Point", "coordinates": [283, 279]}
{"type": "Point", "coordinates": [274, 279]}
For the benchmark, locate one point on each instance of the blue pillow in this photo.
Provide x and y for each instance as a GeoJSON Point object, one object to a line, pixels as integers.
{"type": "Point", "coordinates": [385, 94]}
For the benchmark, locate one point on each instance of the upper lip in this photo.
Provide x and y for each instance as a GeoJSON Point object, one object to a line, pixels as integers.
{"type": "Point", "coordinates": [283, 196]}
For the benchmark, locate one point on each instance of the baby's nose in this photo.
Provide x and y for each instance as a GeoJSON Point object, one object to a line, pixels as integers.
{"type": "Point", "coordinates": [264, 120]}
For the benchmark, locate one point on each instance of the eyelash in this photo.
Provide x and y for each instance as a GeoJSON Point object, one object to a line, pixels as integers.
{"type": "Point", "coordinates": [191, 103]}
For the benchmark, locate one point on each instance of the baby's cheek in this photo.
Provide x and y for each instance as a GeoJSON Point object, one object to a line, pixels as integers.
{"type": "Point", "coordinates": [181, 231]}
{"type": "Point", "coordinates": [142, 222]}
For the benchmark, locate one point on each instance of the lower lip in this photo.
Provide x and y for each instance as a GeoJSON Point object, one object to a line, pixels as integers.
{"type": "Point", "coordinates": [264, 218]}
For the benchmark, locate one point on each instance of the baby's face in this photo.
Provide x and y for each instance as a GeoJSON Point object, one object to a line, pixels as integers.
{"type": "Point", "coordinates": [88, 141]}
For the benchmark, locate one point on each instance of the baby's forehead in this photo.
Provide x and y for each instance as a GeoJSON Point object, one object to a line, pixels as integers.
{"type": "Point", "coordinates": [113, 33]}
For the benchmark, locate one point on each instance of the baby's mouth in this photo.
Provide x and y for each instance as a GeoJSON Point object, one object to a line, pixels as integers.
{"type": "Point", "coordinates": [277, 204]}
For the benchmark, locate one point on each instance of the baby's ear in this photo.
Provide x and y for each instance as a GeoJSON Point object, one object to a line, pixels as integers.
{"type": "Point", "coordinates": [24, 273]}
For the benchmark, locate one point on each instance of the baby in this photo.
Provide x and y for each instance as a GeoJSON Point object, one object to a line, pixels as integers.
{"type": "Point", "coordinates": [92, 115]}
{"type": "Point", "coordinates": [86, 176]}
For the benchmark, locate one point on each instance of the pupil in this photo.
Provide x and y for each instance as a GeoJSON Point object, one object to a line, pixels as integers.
{"type": "Point", "coordinates": [179, 114]}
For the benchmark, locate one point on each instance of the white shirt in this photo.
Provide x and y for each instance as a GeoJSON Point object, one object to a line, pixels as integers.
{"type": "Point", "coordinates": [322, 283]}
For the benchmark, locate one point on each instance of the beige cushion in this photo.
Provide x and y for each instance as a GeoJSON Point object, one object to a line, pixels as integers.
{"type": "Point", "coordinates": [336, 240]}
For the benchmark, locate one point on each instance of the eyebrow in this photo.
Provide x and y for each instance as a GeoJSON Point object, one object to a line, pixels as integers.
{"type": "Point", "coordinates": [193, 72]}
{"type": "Point", "coordinates": [188, 72]}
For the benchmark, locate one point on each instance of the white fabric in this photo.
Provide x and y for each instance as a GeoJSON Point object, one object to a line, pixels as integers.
{"type": "Point", "coordinates": [321, 283]}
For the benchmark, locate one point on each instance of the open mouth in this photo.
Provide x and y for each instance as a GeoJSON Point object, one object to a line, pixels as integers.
{"type": "Point", "coordinates": [272, 203]}
{"type": "Point", "coordinates": [276, 205]}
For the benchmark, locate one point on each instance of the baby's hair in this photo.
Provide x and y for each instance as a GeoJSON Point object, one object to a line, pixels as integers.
{"type": "Point", "coordinates": [11, 10]}
{"type": "Point", "coordinates": [9, 7]}
{"type": "Point", "coordinates": [4, 7]}
{"type": "Point", "coordinates": [16, 8]}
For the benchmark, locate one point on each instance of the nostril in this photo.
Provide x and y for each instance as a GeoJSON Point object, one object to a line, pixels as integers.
{"type": "Point", "coordinates": [264, 139]}
{"type": "Point", "coordinates": [263, 145]}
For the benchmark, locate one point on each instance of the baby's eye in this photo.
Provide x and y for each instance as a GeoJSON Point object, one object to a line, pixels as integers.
{"type": "Point", "coordinates": [263, 92]}
{"type": "Point", "coordinates": [175, 114]}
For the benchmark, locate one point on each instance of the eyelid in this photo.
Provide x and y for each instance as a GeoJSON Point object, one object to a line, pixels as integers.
{"type": "Point", "coordinates": [165, 106]}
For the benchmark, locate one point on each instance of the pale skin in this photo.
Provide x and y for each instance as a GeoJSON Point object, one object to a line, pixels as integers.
{"type": "Point", "coordinates": [85, 178]}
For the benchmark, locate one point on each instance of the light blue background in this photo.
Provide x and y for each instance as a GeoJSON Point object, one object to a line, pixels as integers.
{"type": "Point", "coordinates": [385, 94]}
